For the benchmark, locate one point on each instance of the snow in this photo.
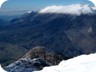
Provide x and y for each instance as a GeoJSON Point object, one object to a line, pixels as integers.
{"type": "Point", "coordinates": [2, 70]}
{"type": "Point", "coordinates": [22, 65]}
{"type": "Point", "coordinates": [26, 65]}
{"type": "Point", "coordinates": [29, 11]}
{"type": "Point", "coordinates": [77, 9]}
{"type": "Point", "coordinates": [84, 63]}
{"type": "Point", "coordinates": [94, 8]}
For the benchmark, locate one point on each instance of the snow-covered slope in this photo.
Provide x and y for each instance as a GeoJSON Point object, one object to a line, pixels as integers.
{"type": "Point", "coordinates": [2, 70]}
{"type": "Point", "coordinates": [94, 8]}
{"type": "Point", "coordinates": [84, 63]}
{"type": "Point", "coordinates": [77, 9]}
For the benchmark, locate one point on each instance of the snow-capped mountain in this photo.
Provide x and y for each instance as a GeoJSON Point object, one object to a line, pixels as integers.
{"type": "Point", "coordinates": [84, 63]}
{"type": "Point", "coordinates": [77, 9]}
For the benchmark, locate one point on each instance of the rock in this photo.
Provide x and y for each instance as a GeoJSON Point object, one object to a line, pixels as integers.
{"type": "Point", "coordinates": [26, 65]}
{"type": "Point", "coordinates": [41, 52]}
{"type": "Point", "coordinates": [36, 59]}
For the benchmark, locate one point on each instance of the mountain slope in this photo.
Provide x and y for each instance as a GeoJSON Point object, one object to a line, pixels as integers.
{"type": "Point", "coordinates": [35, 59]}
{"type": "Point", "coordinates": [10, 53]}
{"type": "Point", "coordinates": [69, 35]}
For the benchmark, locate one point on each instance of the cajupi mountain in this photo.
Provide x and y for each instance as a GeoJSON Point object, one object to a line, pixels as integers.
{"type": "Point", "coordinates": [67, 31]}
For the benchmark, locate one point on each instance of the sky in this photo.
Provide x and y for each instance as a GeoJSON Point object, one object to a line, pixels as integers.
{"type": "Point", "coordinates": [26, 5]}
{"type": "Point", "coordinates": [37, 4]}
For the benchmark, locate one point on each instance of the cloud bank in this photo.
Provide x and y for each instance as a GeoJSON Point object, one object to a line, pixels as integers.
{"type": "Point", "coordinates": [77, 9]}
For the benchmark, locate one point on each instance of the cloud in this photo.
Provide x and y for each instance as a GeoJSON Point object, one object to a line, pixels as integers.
{"type": "Point", "coordinates": [1, 2]}
{"type": "Point", "coordinates": [77, 9]}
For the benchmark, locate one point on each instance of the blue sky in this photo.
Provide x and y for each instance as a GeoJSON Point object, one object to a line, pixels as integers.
{"type": "Point", "coordinates": [15, 7]}
{"type": "Point", "coordinates": [37, 4]}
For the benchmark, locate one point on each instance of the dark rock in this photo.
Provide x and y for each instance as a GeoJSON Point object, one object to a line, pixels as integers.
{"type": "Point", "coordinates": [26, 65]}
{"type": "Point", "coordinates": [51, 58]}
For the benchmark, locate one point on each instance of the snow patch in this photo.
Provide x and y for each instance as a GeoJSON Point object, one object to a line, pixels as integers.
{"type": "Point", "coordinates": [2, 70]}
{"type": "Point", "coordinates": [84, 63]}
{"type": "Point", "coordinates": [77, 9]}
{"type": "Point", "coordinates": [29, 11]}
{"type": "Point", "coordinates": [94, 8]}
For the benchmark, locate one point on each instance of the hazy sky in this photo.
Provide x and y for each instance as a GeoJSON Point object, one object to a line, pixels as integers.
{"type": "Point", "coordinates": [37, 4]}
{"type": "Point", "coordinates": [15, 7]}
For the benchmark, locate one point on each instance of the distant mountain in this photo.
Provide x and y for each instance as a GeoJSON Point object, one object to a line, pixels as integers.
{"type": "Point", "coordinates": [5, 19]}
{"type": "Point", "coordinates": [12, 12]}
{"type": "Point", "coordinates": [9, 17]}
{"type": "Point", "coordinates": [67, 34]}
{"type": "Point", "coordinates": [1, 22]}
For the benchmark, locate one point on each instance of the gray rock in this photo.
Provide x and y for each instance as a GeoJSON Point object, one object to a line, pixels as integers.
{"type": "Point", "coordinates": [26, 65]}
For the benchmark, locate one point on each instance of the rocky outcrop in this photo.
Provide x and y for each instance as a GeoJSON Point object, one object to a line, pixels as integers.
{"type": "Point", "coordinates": [51, 58]}
{"type": "Point", "coordinates": [36, 59]}
{"type": "Point", "coordinates": [26, 65]}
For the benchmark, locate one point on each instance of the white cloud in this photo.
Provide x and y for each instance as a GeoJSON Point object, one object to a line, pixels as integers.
{"type": "Point", "coordinates": [77, 9]}
{"type": "Point", "coordinates": [84, 63]}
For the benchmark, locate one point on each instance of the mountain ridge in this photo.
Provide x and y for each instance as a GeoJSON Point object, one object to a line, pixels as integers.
{"type": "Point", "coordinates": [68, 35]}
